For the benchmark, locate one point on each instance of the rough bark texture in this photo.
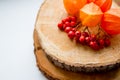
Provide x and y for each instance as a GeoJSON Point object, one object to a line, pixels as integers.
{"type": "Point", "coordinates": [83, 68]}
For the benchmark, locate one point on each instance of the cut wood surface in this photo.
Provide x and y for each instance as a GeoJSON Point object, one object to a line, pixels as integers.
{"type": "Point", "coordinates": [55, 73]}
{"type": "Point", "coordinates": [67, 54]}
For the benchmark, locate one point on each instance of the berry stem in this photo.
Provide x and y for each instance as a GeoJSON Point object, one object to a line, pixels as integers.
{"type": "Point", "coordinates": [88, 30]}
{"type": "Point", "coordinates": [105, 34]}
{"type": "Point", "coordinates": [99, 30]}
{"type": "Point", "coordinates": [85, 28]}
{"type": "Point", "coordinates": [79, 24]}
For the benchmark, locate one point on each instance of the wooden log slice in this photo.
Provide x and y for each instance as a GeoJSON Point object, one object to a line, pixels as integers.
{"type": "Point", "coordinates": [55, 73]}
{"type": "Point", "coordinates": [64, 52]}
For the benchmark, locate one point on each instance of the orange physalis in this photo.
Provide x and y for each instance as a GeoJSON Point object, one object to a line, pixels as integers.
{"type": "Point", "coordinates": [73, 6]}
{"type": "Point", "coordinates": [111, 21]}
{"type": "Point", "coordinates": [104, 4]}
{"type": "Point", "coordinates": [90, 14]}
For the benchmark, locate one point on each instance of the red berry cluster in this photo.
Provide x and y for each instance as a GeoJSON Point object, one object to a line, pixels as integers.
{"type": "Point", "coordinates": [68, 25]}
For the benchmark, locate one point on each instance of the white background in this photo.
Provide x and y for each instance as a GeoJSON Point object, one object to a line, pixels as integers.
{"type": "Point", "coordinates": [17, 60]}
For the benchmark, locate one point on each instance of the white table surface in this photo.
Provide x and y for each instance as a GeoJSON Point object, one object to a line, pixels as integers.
{"type": "Point", "coordinates": [17, 60]}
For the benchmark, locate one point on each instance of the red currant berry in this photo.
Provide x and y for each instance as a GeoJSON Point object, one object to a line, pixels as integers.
{"type": "Point", "coordinates": [77, 33]}
{"type": "Point", "coordinates": [87, 40]}
{"type": "Point", "coordinates": [60, 26]}
{"type": "Point", "coordinates": [107, 42]}
{"type": "Point", "coordinates": [94, 45]}
{"type": "Point", "coordinates": [64, 26]}
{"type": "Point", "coordinates": [67, 29]}
{"type": "Point", "coordinates": [85, 34]}
{"type": "Point", "coordinates": [71, 34]}
{"type": "Point", "coordinates": [82, 39]}
{"type": "Point", "coordinates": [77, 39]}
{"type": "Point", "coordinates": [68, 19]}
{"type": "Point", "coordinates": [74, 29]}
{"type": "Point", "coordinates": [72, 23]}
{"type": "Point", "coordinates": [101, 43]}
{"type": "Point", "coordinates": [67, 23]}
{"type": "Point", "coordinates": [92, 37]}
{"type": "Point", "coordinates": [91, 43]}
{"type": "Point", "coordinates": [64, 20]}
{"type": "Point", "coordinates": [73, 18]}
